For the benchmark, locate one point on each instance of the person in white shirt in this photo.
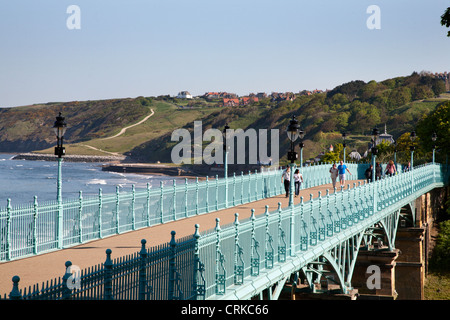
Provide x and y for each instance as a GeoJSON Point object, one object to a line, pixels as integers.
{"type": "Point", "coordinates": [334, 174]}
{"type": "Point", "coordinates": [298, 179]}
{"type": "Point", "coordinates": [287, 178]}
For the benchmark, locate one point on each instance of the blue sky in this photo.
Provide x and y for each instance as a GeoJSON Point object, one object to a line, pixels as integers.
{"type": "Point", "coordinates": [153, 47]}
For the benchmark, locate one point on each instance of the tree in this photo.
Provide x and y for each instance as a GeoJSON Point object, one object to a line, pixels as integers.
{"type": "Point", "coordinates": [437, 121]}
{"type": "Point", "coordinates": [335, 155]}
{"type": "Point", "coordinates": [445, 20]}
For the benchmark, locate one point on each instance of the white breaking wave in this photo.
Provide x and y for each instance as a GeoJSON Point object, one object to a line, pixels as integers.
{"type": "Point", "coordinates": [96, 181]}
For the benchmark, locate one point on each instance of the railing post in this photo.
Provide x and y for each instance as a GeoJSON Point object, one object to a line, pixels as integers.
{"type": "Point", "coordinates": [254, 248]}
{"type": "Point", "coordinates": [303, 238]}
{"type": "Point", "coordinates": [269, 252]}
{"type": "Point", "coordinates": [143, 271]}
{"type": "Point", "coordinates": [174, 200]}
{"type": "Point", "coordinates": [281, 240]}
{"type": "Point", "coordinates": [292, 230]}
{"type": "Point", "coordinates": [100, 205]}
{"type": "Point", "coordinates": [249, 186]}
{"type": "Point", "coordinates": [196, 196]}
{"type": "Point", "coordinates": [220, 259]}
{"type": "Point", "coordinates": [186, 197]}
{"type": "Point", "coordinates": [238, 269]}
{"type": "Point", "coordinates": [15, 292]}
{"type": "Point", "coordinates": [66, 290]}
{"type": "Point", "coordinates": [108, 265]}
{"type": "Point", "coordinates": [161, 201]}
{"type": "Point", "coordinates": [199, 268]}
{"type": "Point", "coordinates": [133, 211]}
{"type": "Point", "coordinates": [256, 185]}
{"type": "Point", "coordinates": [117, 210]}
{"type": "Point", "coordinates": [173, 248]}
{"type": "Point", "coordinates": [148, 204]}
{"type": "Point", "coordinates": [8, 230]}
{"type": "Point", "coordinates": [242, 187]}
{"type": "Point", "coordinates": [234, 188]}
{"type": "Point", "coordinates": [80, 216]}
{"type": "Point", "coordinates": [207, 194]}
{"type": "Point", "coordinates": [217, 192]}
{"type": "Point", "coordinates": [35, 216]}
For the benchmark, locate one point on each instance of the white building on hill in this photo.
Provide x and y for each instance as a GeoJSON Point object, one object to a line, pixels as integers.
{"type": "Point", "coordinates": [184, 95]}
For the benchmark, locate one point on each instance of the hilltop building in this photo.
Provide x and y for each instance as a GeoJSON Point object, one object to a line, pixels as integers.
{"type": "Point", "coordinates": [184, 95]}
{"type": "Point", "coordinates": [385, 137]}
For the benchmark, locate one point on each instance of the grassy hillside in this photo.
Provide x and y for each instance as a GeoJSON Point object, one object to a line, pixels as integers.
{"type": "Point", "coordinates": [354, 107]}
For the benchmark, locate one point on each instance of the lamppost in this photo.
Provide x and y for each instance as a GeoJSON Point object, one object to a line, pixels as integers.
{"type": "Point", "coordinates": [292, 133]}
{"type": "Point", "coordinates": [375, 134]}
{"type": "Point", "coordinates": [60, 128]}
{"type": "Point", "coordinates": [395, 154]}
{"type": "Point", "coordinates": [412, 136]}
{"type": "Point", "coordinates": [225, 163]}
{"type": "Point", "coordinates": [434, 138]}
{"type": "Point", "coordinates": [301, 135]}
{"type": "Point", "coordinates": [344, 135]}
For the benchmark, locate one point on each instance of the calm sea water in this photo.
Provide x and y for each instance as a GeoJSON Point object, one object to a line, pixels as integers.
{"type": "Point", "coordinates": [21, 180]}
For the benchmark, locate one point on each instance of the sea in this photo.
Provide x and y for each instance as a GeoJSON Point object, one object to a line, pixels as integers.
{"type": "Point", "coordinates": [21, 180]}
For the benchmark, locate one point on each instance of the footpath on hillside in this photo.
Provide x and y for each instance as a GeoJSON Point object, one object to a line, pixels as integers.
{"type": "Point", "coordinates": [45, 267]}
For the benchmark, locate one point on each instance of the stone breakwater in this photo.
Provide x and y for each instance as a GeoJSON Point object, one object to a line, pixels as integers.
{"type": "Point", "coordinates": [68, 158]}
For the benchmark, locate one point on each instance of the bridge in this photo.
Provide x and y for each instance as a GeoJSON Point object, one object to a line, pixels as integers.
{"type": "Point", "coordinates": [323, 243]}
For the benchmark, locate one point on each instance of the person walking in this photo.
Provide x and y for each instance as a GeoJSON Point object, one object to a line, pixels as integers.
{"type": "Point", "coordinates": [333, 174]}
{"type": "Point", "coordinates": [368, 173]}
{"type": "Point", "coordinates": [407, 168]}
{"type": "Point", "coordinates": [341, 169]}
{"type": "Point", "coordinates": [378, 171]}
{"type": "Point", "coordinates": [298, 180]}
{"type": "Point", "coordinates": [286, 177]}
{"type": "Point", "coordinates": [391, 170]}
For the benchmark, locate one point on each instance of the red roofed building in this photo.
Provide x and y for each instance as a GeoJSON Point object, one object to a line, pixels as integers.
{"type": "Point", "coordinates": [230, 102]}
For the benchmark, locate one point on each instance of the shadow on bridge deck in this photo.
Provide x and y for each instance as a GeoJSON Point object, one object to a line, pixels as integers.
{"type": "Point", "coordinates": [47, 266]}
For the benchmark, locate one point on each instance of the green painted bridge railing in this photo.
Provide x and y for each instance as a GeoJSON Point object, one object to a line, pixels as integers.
{"type": "Point", "coordinates": [36, 228]}
{"type": "Point", "coordinates": [240, 260]}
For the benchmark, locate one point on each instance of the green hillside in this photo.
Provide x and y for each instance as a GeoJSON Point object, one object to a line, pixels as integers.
{"type": "Point", "coordinates": [354, 107]}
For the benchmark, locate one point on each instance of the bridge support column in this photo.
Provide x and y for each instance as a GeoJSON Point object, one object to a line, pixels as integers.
{"type": "Point", "coordinates": [374, 274]}
{"type": "Point", "coordinates": [410, 269]}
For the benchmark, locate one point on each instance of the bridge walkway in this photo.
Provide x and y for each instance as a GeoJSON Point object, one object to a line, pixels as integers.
{"type": "Point", "coordinates": [41, 268]}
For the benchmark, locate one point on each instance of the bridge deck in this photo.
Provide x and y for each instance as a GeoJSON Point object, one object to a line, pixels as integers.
{"type": "Point", "coordinates": [43, 267]}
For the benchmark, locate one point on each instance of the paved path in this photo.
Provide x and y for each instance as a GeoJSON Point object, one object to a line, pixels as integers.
{"type": "Point", "coordinates": [40, 268]}
{"type": "Point", "coordinates": [133, 125]}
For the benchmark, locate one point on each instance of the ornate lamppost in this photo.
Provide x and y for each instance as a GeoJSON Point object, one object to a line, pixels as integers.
{"type": "Point", "coordinates": [301, 135]}
{"type": "Point", "coordinates": [434, 138]}
{"type": "Point", "coordinates": [375, 134]}
{"type": "Point", "coordinates": [292, 133]}
{"type": "Point", "coordinates": [344, 135]}
{"type": "Point", "coordinates": [59, 128]}
{"type": "Point", "coordinates": [395, 154]}
{"type": "Point", "coordinates": [412, 136]}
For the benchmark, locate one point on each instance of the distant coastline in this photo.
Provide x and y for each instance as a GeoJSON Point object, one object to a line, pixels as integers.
{"type": "Point", "coordinates": [68, 158]}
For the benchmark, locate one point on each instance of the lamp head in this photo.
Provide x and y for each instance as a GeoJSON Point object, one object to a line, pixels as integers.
{"type": "Point", "coordinates": [60, 126]}
{"type": "Point", "coordinates": [293, 129]}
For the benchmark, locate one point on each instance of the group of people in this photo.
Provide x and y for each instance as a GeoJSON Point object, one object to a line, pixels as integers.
{"type": "Point", "coordinates": [335, 171]}
{"type": "Point", "coordinates": [340, 172]}
{"type": "Point", "coordinates": [390, 170]}
{"type": "Point", "coordinates": [298, 180]}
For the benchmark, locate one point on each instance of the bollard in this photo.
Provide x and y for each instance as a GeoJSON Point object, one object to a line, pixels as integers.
{"type": "Point", "coordinates": [108, 265]}
{"type": "Point", "coordinates": [15, 292]}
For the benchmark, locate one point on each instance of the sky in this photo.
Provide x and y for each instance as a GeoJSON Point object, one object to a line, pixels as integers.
{"type": "Point", "coordinates": [130, 48]}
